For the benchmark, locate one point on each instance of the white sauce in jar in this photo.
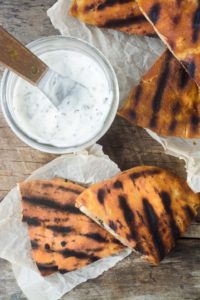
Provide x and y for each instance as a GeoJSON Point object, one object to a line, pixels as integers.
{"type": "Point", "coordinates": [75, 122]}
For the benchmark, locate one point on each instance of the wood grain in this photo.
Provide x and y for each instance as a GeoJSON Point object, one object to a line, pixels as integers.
{"type": "Point", "coordinates": [178, 277]}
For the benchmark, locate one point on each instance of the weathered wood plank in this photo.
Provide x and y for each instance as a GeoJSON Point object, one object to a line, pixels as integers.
{"type": "Point", "coordinates": [178, 277]}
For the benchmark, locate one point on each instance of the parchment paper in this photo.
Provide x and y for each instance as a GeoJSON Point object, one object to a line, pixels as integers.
{"type": "Point", "coordinates": [130, 56]}
{"type": "Point", "coordinates": [85, 167]}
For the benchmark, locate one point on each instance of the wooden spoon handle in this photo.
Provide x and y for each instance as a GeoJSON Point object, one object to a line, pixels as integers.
{"type": "Point", "coordinates": [19, 59]}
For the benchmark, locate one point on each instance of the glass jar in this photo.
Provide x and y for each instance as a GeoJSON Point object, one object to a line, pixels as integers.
{"type": "Point", "coordinates": [49, 44]}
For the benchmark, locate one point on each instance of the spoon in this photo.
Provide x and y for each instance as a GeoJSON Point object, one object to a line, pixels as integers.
{"type": "Point", "coordinates": [19, 59]}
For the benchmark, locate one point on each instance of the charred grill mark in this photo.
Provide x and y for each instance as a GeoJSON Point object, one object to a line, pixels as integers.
{"type": "Point", "coordinates": [60, 187]}
{"type": "Point", "coordinates": [47, 247]}
{"type": "Point", "coordinates": [63, 243]}
{"type": "Point", "coordinates": [34, 244]}
{"type": "Point", "coordinates": [189, 212]}
{"type": "Point", "coordinates": [118, 185]}
{"type": "Point", "coordinates": [190, 67]}
{"type": "Point", "coordinates": [152, 35]}
{"type": "Point", "coordinates": [184, 78]}
{"type": "Point", "coordinates": [60, 229]}
{"type": "Point", "coordinates": [154, 13]}
{"type": "Point", "coordinates": [175, 110]}
{"type": "Point", "coordinates": [50, 203]}
{"type": "Point", "coordinates": [94, 258]}
{"type": "Point", "coordinates": [65, 189]}
{"type": "Point", "coordinates": [176, 20]}
{"type": "Point", "coordinates": [130, 20]}
{"type": "Point", "coordinates": [196, 25]}
{"type": "Point", "coordinates": [137, 175]}
{"type": "Point", "coordinates": [63, 271]}
{"type": "Point", "coordinates": [32, 221]}
{"type": "Point", "coordinates": [58, 220]}
{"type": "Point", "coordinates": [162, 84]}
{"type": "Point", "coordinates": [139, 248]}
{"type": "Point", "coordinates": [117, 242]}
{"type": "Point", "coordinates": [153, 225]}
{"type": "Point", "coordinates": [138, 93]}
{"type": "Point", "coordinates": [176, 107]}
{"type": "Point", "coordinates": [71, 253]}
{"type": "Point", "coordinates": [78, 254]}
{"type": "Point", "coordinates": [166, 201]}
{"type": "Point", "coordinates": [103, 5]}
{"type": "Point", "coordinates": [194, 122]}
{"type": "Point", "coordinates": [173, 125]}
{"type": "Point", "coordinates": [112, 225]}
{"type": "Point", "coordinates": [47, 267]}
{"type": "Point", "coordinates": [178, 2]}
{"type": "Point", "coordinates": [132, 114]}
{"type": "Point", "coordinates": [96, 237]}
{"type": "Point", "coordinates": [110, 3]}
{"type": "Point", "coordinates": [129, 217]}
{"type": "Point", "coordinates": [101, 196]}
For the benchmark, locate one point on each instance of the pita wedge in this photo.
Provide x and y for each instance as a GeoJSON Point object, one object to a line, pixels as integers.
{"type": "Point", "coordinates": [146, 208]}
{"type": "Point", "coordinates": [62, 238]}
{"type": "Point", "coordinates": [178, 25]}
{"type": "Point", "coordinates": [122, 15]}
{"type": "Point", "coordinates": [166, 100]}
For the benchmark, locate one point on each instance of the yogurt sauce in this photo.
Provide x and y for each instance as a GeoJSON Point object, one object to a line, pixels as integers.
{"type": "Point", "coordinates": [75, 122]}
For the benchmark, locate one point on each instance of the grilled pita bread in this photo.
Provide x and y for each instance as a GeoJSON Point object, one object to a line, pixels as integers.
{"type": "Point", "coordinates": [166, 100]}
{"type": "Point", "coordinates": [178, 25]}
{"type": "Point", "coordinates": [62, 238]}
{"type": "Point", "coordinates": [146, 208]}
{"type": "Point", "coordinates": [122, 15]}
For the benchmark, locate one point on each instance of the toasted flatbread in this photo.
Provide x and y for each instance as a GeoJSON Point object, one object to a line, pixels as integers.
{"type": "Point", "coordinates": [146, 208]}
{"type": "Point", "coordinates": [178, 25]}
{"type": "Point", "coordinates": [166, 100]}
{"type": "Point", "coordinates": [122, 15]}
{"type": "Point", "coordinates": [62, 238]}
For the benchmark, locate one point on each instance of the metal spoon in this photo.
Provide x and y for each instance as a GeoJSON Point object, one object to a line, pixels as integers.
{"type": "Point", "coordinates": [24, 63]}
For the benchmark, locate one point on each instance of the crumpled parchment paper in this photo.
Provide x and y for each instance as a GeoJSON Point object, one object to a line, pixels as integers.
{"type": "Point", "coordinates": [130, 56]}
{"type": "Point", "coordinates": [85, 167]}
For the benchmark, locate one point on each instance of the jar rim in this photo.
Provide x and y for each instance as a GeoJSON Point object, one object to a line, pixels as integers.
{"type": "Point", "coordinates": [35, 46]}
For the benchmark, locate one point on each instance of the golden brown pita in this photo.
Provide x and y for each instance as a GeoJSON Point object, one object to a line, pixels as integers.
{"type": "Point", "coordinates": [178, 25]}
{"type": "Point", "coordinates": [146, 208]}
{"type": "Point", "coordinates": [62, 238]}
{"type": "Point", "coordinates": [166, 100]}
{"type": "Point", "coordinates": [122, 15]}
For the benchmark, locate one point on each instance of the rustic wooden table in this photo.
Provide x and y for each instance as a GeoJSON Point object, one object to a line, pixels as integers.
{"type": "Point", "coordinates": [178, 277]}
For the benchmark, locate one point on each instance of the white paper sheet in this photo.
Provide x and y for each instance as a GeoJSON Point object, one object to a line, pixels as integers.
{"type": "Point", "coordinates": [189, 151]}
{"type": "Point", "coordinates": [131, 57]}
{"type": "Point", "coordinates": [85, 167]}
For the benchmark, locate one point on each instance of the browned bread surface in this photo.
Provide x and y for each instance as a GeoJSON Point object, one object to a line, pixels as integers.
{"type": "Point", "coordinates": [147, 208]}
{"type": "Point", "coordinates": [122, 15]}
{"type": "Point", "coordinates": [178, 25]}
{"type": "Point", "coordinates": [166, 100]}
{"type": "Point", "coordinates": [62, 238]}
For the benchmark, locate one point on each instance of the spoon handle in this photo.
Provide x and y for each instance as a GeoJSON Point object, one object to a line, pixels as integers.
{"type": "Point", "coordinates": [19, 59]}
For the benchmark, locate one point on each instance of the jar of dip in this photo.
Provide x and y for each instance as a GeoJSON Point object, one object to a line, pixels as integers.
{"type": "Point", "coordinates": [74, 125]}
